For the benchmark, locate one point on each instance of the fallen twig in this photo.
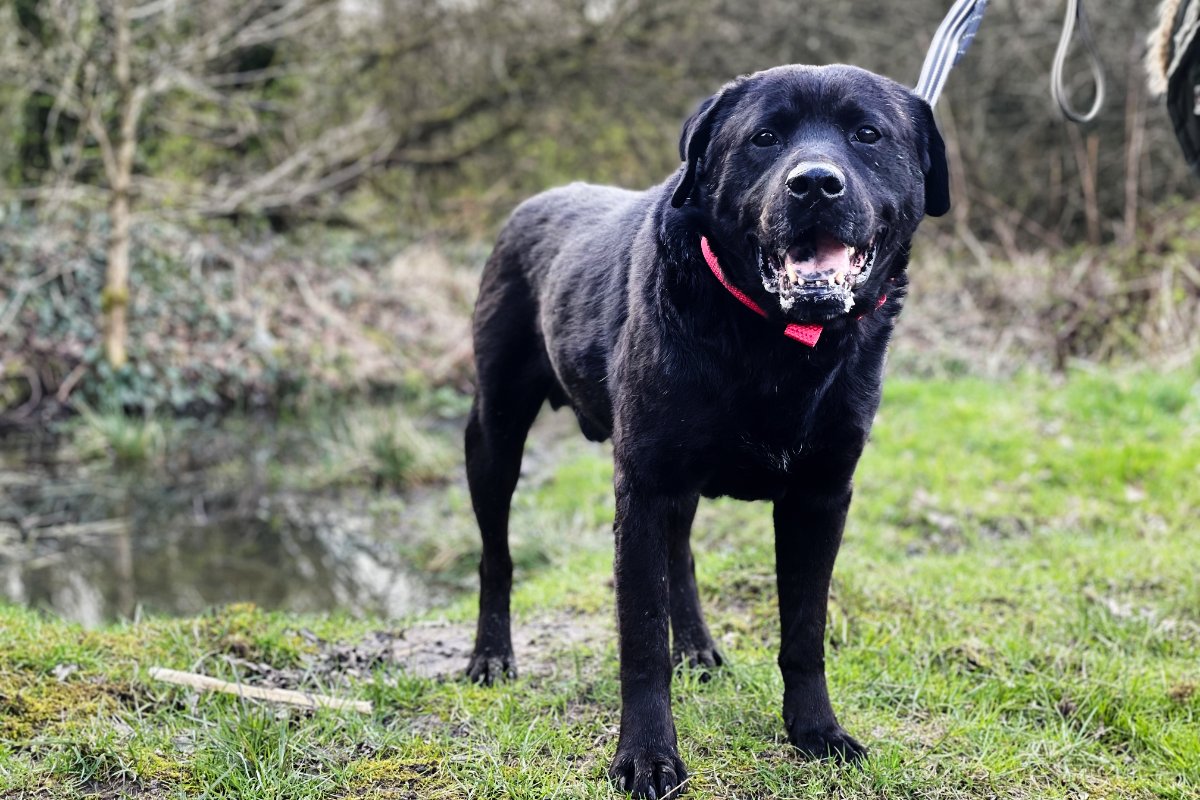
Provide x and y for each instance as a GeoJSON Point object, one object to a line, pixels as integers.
{"type": "Point", "coordinates": [69, 382]}
{"type": "Point", "coordinates": [101, 527]}
{"type": "Point", "coordinates": [209, 684]}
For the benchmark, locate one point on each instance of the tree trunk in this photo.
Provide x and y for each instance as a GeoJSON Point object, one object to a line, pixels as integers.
{"type": "Point", "coordinates": [1135, 124]}
{"type": "Point", "coordinates": [115, 301]}
{"type": "Point", "coordinates": [1086, 159]}
{"type": "Point", "coordinates": [116, 286]}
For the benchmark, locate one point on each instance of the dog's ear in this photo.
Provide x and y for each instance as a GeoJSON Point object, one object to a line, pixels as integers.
{"type": "Point", "coordinates": [696, 133]}
{"type": "Point", "coordinates": [933, 162]}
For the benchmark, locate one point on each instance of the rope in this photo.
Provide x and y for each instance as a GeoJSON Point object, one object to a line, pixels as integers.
{"type": "Point", "coordinates": [1058, 88]}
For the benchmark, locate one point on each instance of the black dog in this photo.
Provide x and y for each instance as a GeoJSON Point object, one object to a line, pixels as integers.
{"type": "Point", "coordinates": [728, 330]}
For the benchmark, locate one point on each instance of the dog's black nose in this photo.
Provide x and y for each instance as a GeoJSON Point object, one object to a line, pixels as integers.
{"type": "Point", "coordinates": [813, 180]}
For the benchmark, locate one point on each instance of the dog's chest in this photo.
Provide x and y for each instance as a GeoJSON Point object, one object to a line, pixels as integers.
{"type": "Point", "coordinates": [773, 438]}
{"type": "Point", "coordinates": [752, 469]}
{"type": "Point", "coordinates": [756, 456]}
{"type": "Point", "coordinates": [756, 462]}
{"type": "Point", "coordinates": [776, 433]}
{"type": "Point", "coordinates": [772, 456]}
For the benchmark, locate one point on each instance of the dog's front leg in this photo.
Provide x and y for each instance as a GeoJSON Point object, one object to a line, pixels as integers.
{"type": "Point", "coordinates": [647, 760]}
{"type": "Point", "coordinates": [809, 519]}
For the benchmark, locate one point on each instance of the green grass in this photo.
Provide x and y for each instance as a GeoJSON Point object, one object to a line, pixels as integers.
{"type": "Point", "coordinates": [1016, 613]}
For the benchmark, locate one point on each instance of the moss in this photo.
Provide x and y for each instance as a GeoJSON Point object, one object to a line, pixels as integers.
{"type": "Point", "coordinates": [31, 705]}
{"type": "Point", "coordinates": [392, 772]}
{"type": "Point", "coordinates": [243, 631]}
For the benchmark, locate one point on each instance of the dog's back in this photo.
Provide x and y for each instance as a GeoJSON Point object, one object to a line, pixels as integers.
{"type": "Point", "coordinates": [557, 283]}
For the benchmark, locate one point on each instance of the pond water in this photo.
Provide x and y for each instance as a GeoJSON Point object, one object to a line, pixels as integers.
{"type": "Point", "coordinates": [93, 544]}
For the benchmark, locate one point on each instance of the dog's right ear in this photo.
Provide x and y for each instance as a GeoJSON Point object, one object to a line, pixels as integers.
{"type": "Point", "coordinates": [696, 133]}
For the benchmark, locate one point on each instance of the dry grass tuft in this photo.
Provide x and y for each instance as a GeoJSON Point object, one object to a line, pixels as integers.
{"type": "Point", "coordinates": [1046, 311]}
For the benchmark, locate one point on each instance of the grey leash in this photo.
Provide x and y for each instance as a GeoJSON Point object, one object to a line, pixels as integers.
{"type": "Point", "coordinates": [949, 45]}
{"type": "Point", "coordinates": [957, 31]}
{"type": "Point", "coordinates": [1057, 88]}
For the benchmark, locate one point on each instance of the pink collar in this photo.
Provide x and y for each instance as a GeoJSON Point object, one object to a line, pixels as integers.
{"type": "Point", "coordinates": [805, 334]}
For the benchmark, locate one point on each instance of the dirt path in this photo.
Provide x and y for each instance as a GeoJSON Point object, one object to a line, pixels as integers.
{"type": "Point", "coordinates": [439, 649]}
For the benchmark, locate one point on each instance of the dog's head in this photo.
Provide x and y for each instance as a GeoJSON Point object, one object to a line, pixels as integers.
{"type": "Point", "coordinates": [812, 180]}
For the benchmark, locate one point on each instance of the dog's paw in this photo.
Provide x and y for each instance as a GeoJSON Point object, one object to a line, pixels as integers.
{"type": "Point", "coordinates": [828, 743]}
{"type": "Point", "coordinates": [648, 773]}
{"type": "Point", "coordinates": [488, 668]}
{"type": "Point", "coordinates": [705, 660]}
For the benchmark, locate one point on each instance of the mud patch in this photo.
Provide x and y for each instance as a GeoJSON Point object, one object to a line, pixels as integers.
{"type": "Point", "coordinates": [118, 790]}
{"type": "Point", "coordinates": [433, 650]}
{"type": "Point", "coordinates": [436, 650]}
{"type": "Point", "coordinates": [99, 790]}
{"type": "Point", "coordinates": [1182, 692]}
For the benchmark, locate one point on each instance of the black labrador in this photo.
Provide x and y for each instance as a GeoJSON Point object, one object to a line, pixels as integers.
{"type": "Point", "coordinates": [727, 329]}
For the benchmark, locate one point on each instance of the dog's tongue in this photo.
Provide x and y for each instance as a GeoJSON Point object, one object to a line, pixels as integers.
{"type": "Point", "coordinates": [830, 258]}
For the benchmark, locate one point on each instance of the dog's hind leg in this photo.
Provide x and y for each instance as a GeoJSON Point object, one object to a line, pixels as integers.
{"type": "Point", "coordinates": [495, 438]}
{"type": "Point", "coordinates": [514, 378]}
{"type": "Point", "coordinates": [690, 639]}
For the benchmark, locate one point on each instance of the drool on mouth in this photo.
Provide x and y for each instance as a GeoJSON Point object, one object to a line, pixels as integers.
{"type": "Point", "coordinates": [816, 267]}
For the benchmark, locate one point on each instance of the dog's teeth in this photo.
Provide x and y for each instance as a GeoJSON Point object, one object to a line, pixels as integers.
{"type": "Point", "coordinates": [838, 279]}
{"type": "Point", "coordinates": [791, 270]}
{"type": "Point", "coordinates": [850, 252]}
{"type": "Point", "coordinates": [800, 281]}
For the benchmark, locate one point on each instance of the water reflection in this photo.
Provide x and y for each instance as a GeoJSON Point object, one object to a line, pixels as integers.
{"type": "Point", "coordinates": [97, 548]}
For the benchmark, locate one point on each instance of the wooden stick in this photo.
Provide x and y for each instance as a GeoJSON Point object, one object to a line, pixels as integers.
{"type": "Point", "coordinates": [102, 527]}
{"type": "Point", "coordinates": [208, 684]}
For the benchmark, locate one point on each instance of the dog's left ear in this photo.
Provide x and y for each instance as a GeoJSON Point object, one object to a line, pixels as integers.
{"type": "Point", "coordinates": [933, 162]}
{"type": "Point", "coordinates": [697, 132]}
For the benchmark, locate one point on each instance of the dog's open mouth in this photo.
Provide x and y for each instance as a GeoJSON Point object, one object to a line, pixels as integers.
{"type": "Point", "coordinates": [817, 268]}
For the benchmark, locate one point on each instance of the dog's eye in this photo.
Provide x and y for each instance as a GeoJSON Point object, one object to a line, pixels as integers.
{"type": "Point", "coordinates": [867, 135]}
{"type": "Point", "coordinates": [763, 139]}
